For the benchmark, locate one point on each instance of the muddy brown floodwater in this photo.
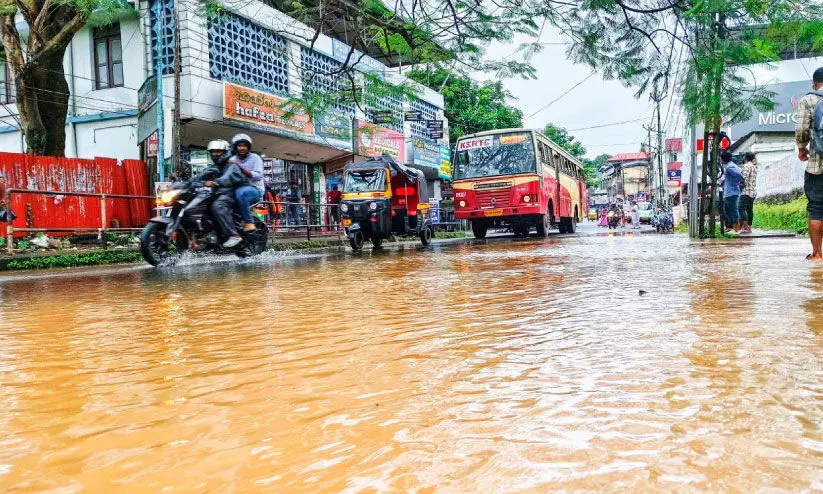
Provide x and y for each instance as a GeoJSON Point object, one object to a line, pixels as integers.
{"type": "Point", "coordinates": [500, 367]}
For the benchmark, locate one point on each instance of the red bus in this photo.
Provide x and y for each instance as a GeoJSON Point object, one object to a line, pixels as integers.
{"type": "Point", "coordinates": [520, 179]}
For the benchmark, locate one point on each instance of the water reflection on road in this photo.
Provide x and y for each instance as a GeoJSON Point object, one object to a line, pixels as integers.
{"type": "Point", "coordinates": [533, 365]}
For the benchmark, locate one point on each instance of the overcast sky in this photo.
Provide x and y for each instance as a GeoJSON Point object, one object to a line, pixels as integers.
{"type": "Point", "coordinates": [594, 102]}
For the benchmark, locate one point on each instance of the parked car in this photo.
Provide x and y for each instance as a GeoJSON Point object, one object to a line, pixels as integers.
{"type": "Point", "coordinates": [646, 211]}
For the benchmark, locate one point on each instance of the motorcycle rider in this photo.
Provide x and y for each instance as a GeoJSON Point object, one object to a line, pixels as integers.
{"type": "Point", "coordinates": [228, 178]}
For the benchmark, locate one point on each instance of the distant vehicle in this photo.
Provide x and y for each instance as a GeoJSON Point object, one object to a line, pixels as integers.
{"type": "Point", "coordinates": [520, 179]}
{"type": "Point", "coordinates": [646, 211]}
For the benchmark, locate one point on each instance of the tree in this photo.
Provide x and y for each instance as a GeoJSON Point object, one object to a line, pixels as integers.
{"type": "Point", "coordinates": [562, 138]}
{"type": "Point", "coordinates": [644, 43]}
{"type": "Point", "coordinates": [36, 62]}
{"type": "Point", "coordinates": [470, 106]}
{"type": "Point", "coordinates": [591, 167]}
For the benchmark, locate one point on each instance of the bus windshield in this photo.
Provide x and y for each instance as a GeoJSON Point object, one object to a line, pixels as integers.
{"type": "Point", "coordinates": [501, 154]}
{"type": "Point", "coordinates": [365, 181]}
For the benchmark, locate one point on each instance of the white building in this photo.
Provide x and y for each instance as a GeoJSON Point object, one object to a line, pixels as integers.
{"type": "Point", "coordinates": [239, 68]}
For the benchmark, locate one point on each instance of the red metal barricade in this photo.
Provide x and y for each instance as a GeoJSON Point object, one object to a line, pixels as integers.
{"type": "Point", "coordinates": [98, 176]}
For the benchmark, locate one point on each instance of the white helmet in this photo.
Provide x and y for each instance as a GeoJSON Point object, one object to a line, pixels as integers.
{"type": "Point", "coordinates": [241, 138]}
{"type": "Point", "coordinates": [218, 145]}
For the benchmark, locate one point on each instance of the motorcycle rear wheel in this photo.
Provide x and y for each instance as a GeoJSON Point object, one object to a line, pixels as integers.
{"type": "Point", "coordinates": [254, 243]}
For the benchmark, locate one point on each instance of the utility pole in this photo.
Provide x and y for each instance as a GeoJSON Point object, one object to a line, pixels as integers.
{"type": "Point", "coordinates": [158, 72]}
{"type": "Point", "coordinates": [660, 170]}
{"type": "Point", "coordinates": [178, 165]}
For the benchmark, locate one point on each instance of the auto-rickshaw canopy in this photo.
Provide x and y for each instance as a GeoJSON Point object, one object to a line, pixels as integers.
{"type": "Point", "coordinates": [402, 178]}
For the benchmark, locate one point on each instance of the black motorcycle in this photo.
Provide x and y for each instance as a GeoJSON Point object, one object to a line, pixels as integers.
{"type": "Point", "coordinates": [613, 219]}
{"type": "Point", "coordinates": [190, 226]}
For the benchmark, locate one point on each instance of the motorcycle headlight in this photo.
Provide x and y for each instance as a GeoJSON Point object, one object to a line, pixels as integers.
{"type": "Point", "coordinates": [169, 196]}
{"type": "Point", "coordinates": [344, 208]}
{"type": "Point", "coordinates": [373, 206]}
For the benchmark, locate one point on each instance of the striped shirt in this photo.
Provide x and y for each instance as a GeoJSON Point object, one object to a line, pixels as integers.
{"type": "Point", "coordinates": [750, 178]}
{"type": "Point", "coordinates": [803, 132]}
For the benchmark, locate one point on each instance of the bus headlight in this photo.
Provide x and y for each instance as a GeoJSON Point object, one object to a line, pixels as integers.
{"type": "Point", "coordinates": [373, 206]}
{"type": "Point", "coordinates": [527, 199]}
{"type": "Point", "coordinates": [462, 204]}
{"type": "Point", "coordinates": [344, 207]}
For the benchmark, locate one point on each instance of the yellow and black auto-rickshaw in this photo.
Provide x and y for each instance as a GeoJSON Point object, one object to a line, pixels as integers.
{"type": "Point", "coordinates": [382, 197]}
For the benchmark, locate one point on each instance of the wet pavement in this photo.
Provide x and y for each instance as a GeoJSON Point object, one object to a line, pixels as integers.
{"type": "Point", "coordinates": [609, 363]}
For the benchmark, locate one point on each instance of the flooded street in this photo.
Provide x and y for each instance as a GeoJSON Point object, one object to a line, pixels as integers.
{"type": "Point", "coordinates": [479, 367]}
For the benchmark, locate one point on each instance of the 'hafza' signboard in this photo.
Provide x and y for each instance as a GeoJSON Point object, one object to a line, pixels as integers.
{"type": "Point", "coordinates": [264, 111]}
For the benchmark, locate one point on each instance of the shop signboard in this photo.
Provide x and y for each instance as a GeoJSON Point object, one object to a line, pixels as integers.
{"type": "Point", "coordinates": [445, 163]}
{"type": "Point", "coordinates": [374, 140]}
{"type": "Point", "coordinates": [335, 130]}
{"type": "Point", "coordinates": [674, 178]}
{"type": "Point", "coordinates": [434, 128]}
{"type": "Point", "coordinates": [782, 118]}
{"type": "Point", "coordinates": [426, 153]}
{"type": "Point", "coordinates": [153, 144]}
{"type": "Point", "coordinates": [147, 94]}
{"type": "Point", "coordinates": [264, 111]}
{"type": "Point", "coordinates": [382, 116]}
{"type": "Point", "coordinates": [343, 52]}
{"type": "Point", "coordinates": [147, 123]}
{"type": "Point", "coordinates": [413, 116]}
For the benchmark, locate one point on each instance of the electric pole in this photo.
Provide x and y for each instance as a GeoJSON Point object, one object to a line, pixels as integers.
{"type": "Point", "coordinates": [661, 173]}
{"type": "Point", "coordinates": [158, 72]}
{"type": "Point", "coordinates": [178, 165]}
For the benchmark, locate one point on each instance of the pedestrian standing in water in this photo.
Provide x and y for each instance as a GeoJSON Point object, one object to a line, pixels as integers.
{"type": "Point", "coordinates": [749, 192]}
{"type": "Point", "coordinates": [635, 215]}
{"type": "Point", "coordinates": [731, 191]}
{"type": "Point", "coordinates": [809, 137]}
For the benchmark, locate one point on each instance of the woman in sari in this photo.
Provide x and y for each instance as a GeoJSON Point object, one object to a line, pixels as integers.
{"type": "Point", "coordinates": [603, 220]}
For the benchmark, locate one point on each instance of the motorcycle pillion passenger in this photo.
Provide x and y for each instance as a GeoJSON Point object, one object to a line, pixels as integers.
{"type": "Point", "coordinates": [251, 164]}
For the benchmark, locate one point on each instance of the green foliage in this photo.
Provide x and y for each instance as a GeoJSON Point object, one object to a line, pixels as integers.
{"type": "Point", "coordinates": [562, 138]}
{"type": "Point", "coordinates": [76, 259]}
{"type": "Point", "coordinates": [591, 167]}
{"type": "Point", "coordinates": [791, 216]}
{"type": "Point", "coordinates": [300, 245]}
{"type": "Point", "coordinates": [470, 106]}
{"type": "Point", "coordinates": [2, 242]}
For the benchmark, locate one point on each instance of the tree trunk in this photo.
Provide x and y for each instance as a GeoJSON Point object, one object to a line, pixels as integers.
{"type": "Point", "coordinates": [43, 101]}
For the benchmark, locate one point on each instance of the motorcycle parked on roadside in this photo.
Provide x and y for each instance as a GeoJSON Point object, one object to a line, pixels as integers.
{"type": "Point", "coordinates": [189, 226]}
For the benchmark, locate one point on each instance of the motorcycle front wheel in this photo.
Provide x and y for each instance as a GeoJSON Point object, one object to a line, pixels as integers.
{"type": "Point", "coordinates": [160, 250]}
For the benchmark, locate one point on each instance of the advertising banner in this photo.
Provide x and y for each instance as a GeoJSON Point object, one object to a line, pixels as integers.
{"type": "Point", "coordinates": [445, 163]}
{"type": "Point", "coordinates": [335, 130]}
{"type": "Point", "coordinates": [374, 140]}
{"type": "Point", "coordinates": [426, 153]}
{"type": "Point", "coordinates": [263, 111]}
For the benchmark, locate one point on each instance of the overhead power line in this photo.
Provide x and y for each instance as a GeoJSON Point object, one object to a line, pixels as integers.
{"type": "Point", "coordinates": [612, 124]}
{"type": "Point", "coordinates": [550, 103]}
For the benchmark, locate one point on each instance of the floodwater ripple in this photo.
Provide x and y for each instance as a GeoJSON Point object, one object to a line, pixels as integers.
{"type": "Point", "coordinates": [620, 363]}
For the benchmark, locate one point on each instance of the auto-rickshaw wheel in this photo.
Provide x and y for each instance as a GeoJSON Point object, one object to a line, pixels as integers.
{"type": "Point", "coordinates": [426, 236]}
{"type": "Point", "coordinates": [376, 242]}
{"type": "Point", "coordinates": [356, 240]}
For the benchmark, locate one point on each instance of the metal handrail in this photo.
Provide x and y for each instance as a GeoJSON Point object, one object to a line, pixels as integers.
{"type": "Point", "coordinates": [10, 229]}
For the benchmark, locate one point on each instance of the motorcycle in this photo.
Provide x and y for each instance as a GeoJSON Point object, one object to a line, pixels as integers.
{"type": "Point", "coordinates": [613, 219]}
{"type": "Point", "coordinates": [189, 226]}
{"type": "Point", "coordinates": [664, 222]}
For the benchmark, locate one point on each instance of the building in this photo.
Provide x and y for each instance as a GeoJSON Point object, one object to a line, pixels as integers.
{"type": "Point", "coordinates": [626, 177]}
{"type": "Point", "coordinates": [245, 69]}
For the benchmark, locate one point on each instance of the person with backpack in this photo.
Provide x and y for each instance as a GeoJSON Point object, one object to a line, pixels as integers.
{"type": "Point", "coordinates": [809, 137]}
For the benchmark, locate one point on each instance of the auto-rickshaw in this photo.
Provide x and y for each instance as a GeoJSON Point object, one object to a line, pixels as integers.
{"type": "Point", "coordinates": [381, 198]}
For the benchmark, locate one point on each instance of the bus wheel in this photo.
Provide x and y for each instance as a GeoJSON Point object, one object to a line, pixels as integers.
{"type": "Point", "coordinates": [543, 226]}
{"type": "Point", "coordinates": [479, 228]}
